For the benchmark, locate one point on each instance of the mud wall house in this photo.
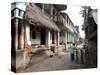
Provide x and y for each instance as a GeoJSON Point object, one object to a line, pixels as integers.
{"type": "Point", "coordinates": [58, 19]}
{"type": "Point", "coordinates": [90, 27]}
{"type": "Point", "coordinates": [51, 33]}
{"type": "Point", "coordinates": [33, 24]}
{"type": "Point", "coordinates": [53, 11]}
{"type": "Point", "coordinates": [67, 34]}
{"type": "Point", "coordinates": [43, 31]}
{"type": "Point", "coordinates": [70, 35]}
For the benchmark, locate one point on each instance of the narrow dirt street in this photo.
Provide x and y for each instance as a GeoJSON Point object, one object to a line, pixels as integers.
{"type": "Point", "coordinates": [42, 62]}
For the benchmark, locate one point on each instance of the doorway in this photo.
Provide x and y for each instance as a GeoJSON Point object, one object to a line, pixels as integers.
{"type": "Point", "coordinates": [43, 36]}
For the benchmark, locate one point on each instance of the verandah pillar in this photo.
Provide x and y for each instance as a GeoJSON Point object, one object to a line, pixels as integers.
{"type": "Point", "coordinates": [16, 33]}
{"type": "Point", "coordinates": [55, 41]}
{"type": "Point", "coordinates": [19, 38]}
{"type": "Point", "coordinates": [48, 38]}
{"type": "Point", "coordinates": [66, 40]}
{"type": "Point", "coordinates": [58, 35]}
{"type": "Point", "coordinates": [27, 44]}
{"type": "Point", "coordinates": [21, 35]}
{"type": "Point", "coordinates": [27, 35]}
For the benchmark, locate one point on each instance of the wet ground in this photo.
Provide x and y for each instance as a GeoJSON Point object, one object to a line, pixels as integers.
{"type": "Point", "coordinates": [42, 62]}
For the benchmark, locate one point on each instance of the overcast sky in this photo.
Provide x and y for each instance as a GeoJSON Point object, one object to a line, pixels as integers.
{"type": "Point", "coordinates": [73, 9]}
{"type": "Point", "coordinates": [74, 13]}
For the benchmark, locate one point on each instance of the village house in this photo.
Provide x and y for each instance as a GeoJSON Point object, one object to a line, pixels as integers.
{"type": "Point", "coordinates": [69, 33]}
{"type": "Point", "coordinates": [34, 24]}
{"type": "Point", "coordinates": [50, 31]}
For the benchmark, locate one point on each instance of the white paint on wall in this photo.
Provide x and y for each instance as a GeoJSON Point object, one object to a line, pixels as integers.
{"type": "Point", "coordinates": [49, 40]}
{"type": "Point", "coordinates": [28, 35]}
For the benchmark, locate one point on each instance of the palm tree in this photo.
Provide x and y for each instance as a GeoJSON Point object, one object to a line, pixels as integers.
{"type": "Point", "coordinates": [85, 13]}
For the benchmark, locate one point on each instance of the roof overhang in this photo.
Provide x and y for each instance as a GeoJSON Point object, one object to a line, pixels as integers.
{"type": "Point", "coordinates": [34, 15]}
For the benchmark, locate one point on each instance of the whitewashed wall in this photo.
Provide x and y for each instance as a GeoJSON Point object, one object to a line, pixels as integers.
{"type": "Point", "coordinates": [28, 34]}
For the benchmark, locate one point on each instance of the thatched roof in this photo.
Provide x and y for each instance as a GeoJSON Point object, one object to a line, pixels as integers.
{"type": "Point", "coordinates": [35, 16]}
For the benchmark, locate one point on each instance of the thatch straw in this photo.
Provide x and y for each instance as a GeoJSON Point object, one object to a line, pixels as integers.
{"type": "Point", "coordinates": [34, 15]}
